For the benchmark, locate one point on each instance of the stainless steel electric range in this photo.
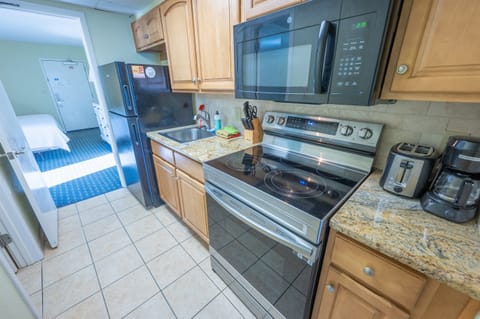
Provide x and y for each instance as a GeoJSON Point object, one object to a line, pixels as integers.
{"type": "Point", "coordinates": [269, 207]}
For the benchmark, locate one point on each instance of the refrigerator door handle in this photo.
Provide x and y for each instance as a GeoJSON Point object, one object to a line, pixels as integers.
{"type": "Point", "coordinates": [135, 134]}
{"type": "Point", "coordinates": [126, 97]}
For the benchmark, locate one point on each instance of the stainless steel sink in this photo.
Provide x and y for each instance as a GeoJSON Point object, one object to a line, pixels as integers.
{"type": "Point", "coordinates": [188, 134]}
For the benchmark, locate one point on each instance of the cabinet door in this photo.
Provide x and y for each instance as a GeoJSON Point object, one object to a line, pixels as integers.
{"type": "Point", "coordinates": [214, 22]}
{"type": "Point", "coordinates": [153, 26]}
{"type": "Point", "coordinates": [255, 8]}
{"type": "Point", "coordinates": [343, 298]}
{"type": "Point", "coordinates": [194, 204]}
{"type": "Point", "coordinates": [167, 183]}
{"type": "Point", "coordinates": [179, 36]}
{"type": "Point", "coordinates": [139, 35]}
{"type": "Point", "coordinates": [438, 56]}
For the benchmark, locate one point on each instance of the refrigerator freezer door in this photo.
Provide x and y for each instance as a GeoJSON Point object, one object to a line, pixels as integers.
{"type": "Point", "coordinates": [117, 89]}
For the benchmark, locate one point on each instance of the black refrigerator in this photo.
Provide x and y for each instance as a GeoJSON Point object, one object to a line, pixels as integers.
{"type": "Point", "coordinates": [139, 100]}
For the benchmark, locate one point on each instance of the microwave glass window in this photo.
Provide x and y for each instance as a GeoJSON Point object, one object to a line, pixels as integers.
{"type": "Point", "coordinates": [262, 57]}
{"type": "Point", "coordinates": [259, 67]}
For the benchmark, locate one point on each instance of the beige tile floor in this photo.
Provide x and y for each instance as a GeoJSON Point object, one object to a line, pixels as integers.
{"type": "Point", "coordinates": [117, 260]}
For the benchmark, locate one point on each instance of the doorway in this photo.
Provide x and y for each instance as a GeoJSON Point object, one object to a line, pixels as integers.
{"type": "Point", "coordinates": [71, 93]}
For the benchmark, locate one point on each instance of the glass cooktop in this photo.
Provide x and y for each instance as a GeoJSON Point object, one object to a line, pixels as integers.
{"type": "Point", "coordinates": [307, 183]}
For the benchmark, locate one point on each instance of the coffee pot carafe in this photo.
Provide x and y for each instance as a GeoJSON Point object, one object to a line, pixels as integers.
{"type": "Point", "coordinates": [455, 191]}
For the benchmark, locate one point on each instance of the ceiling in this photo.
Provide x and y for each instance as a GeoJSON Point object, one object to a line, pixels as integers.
{"type": "Point", "coordinates": [120, 6]}
{"type": "Point", "coordinates": [23, 26]}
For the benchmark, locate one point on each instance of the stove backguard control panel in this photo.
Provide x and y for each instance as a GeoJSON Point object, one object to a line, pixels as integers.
{"type": "Point", "coordinates": [358, 135]}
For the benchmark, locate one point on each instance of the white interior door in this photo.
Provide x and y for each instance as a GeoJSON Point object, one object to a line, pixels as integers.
{"type": "Point", "coordinates": [71, 92]}
{"type": "Point", "coordinates": [26, 169]}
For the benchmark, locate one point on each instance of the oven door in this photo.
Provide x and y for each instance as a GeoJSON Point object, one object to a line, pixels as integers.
{"type": "Point", "coordinates": [272, 270]}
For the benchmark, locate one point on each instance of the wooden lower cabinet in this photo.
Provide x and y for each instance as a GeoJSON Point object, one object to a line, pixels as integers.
{"type": "Point", "coordinates": [167, 183]}
{"type": "Point", "coordinates": [181, 184]}
{"type": "Point", "coordinates": [359, 282]}
{"type": "Point", "coordinates": [194, 208]}
{"type": "Point", "coordinates": [345, 298]}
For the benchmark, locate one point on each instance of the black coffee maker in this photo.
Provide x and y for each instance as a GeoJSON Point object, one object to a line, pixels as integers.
{"type": "Point", "coordinates": [455, 191]}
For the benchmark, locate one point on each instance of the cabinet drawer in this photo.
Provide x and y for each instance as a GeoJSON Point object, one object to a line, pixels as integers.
{"type": "Point", "coordinates": [189, 166]}
{"type": "Point", "coordinates": [393, 280]}
{"type": "Point", "coordinates": [163, 152]}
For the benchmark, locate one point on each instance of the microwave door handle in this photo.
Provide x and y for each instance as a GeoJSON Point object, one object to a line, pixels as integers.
{"type": "Point", "coordinates": [322, 43]}
{"type": "Point", "coordinates": [262, 224]}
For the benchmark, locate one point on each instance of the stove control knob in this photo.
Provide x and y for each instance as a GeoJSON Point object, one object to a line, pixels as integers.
{"type": "Point", "coordinates": [281, 120]}
{"type": "Point", "coordinates": [346, 130]}
{"type": "Point", "coordinates": [365, 133]}
{"type": "Point", "coordinates": [270, 119]}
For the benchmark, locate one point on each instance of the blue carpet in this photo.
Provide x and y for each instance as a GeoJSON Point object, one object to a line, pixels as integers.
{"type": "Point", "coordinates": [84, 145]}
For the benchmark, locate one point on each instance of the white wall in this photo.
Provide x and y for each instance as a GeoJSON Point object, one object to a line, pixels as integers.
{"type": "Point", "coordinates": [111, 35]}
{"type": "Point", "coordinates": [22, 76]}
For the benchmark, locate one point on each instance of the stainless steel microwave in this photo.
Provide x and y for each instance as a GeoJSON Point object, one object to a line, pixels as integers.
{"type": "Point", "coordinates": [322, 51]}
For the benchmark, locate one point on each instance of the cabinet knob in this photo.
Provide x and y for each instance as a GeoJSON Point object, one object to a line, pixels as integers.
{"type": "Point", "coordinates": [368, 271]}
{"type": "Point", "coordinates": [330, 288]}
{"type": "Point", "coordinates": [194, 80]}
{"type": "Point", "coordinates": [402, 69]}
{"type": "Point", "coordinates": [145, 36]}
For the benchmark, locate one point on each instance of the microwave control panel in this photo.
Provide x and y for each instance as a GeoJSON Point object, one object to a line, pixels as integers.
{"type": "Point", "coordinates": [357, 52]}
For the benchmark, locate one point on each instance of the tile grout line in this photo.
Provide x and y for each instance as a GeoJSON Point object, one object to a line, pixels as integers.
{"type": "Point", "coordinates": [149, 271]}
{"type": "Point", "coordinates": [69, 250]}
{"type": "Point", "coordinates": [69, 275]}
{"type": "Point", "coordinates": [95, 269]}
{"type": "Point", "coordinates": [179, 243]}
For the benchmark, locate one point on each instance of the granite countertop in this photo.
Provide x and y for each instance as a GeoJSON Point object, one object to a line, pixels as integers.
{"type": "Point", "coordinates": [204, 149]}
{"type": "Point", "coordinates": [400, 229]}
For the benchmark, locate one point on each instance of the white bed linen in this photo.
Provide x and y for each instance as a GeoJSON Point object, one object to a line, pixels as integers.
{"type": "Point", "coordinates": [42, 133]}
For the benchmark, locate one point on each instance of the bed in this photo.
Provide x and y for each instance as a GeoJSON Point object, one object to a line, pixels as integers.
{"type": "Point", "coordinates": [42, 133]}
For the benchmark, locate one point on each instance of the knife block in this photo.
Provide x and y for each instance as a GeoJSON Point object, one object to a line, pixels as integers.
{"type": "Point", "coordinates": [256, 135]}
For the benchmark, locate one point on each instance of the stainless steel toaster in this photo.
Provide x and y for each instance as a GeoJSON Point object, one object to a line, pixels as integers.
{"type": "Point", "coordinates": [408, 169]}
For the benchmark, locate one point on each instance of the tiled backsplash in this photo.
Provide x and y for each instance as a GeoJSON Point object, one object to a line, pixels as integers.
{"type": "Point", "coordinates": [429, 123]}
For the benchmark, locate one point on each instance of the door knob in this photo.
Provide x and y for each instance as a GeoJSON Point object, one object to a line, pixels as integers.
{"type": "Point", "coordinates": [330, 288]}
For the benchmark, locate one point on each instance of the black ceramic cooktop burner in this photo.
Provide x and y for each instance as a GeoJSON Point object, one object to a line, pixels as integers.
{"type": "Point", "coordinates": [294, 183]}
{"type": "Point", "coordinates": [247, 164]}
{"type": "Point", "coordinates": [310, 185]}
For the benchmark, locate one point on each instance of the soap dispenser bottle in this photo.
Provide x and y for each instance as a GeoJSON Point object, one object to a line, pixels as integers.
{"type": "Point", "coordinates": [218, 121]}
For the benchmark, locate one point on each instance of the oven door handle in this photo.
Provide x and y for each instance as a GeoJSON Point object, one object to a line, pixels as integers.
{"type": "Point", "coordinates": [262, 224]}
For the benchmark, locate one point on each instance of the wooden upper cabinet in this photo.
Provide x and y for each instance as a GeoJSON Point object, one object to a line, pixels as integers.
{"type": "Point", "coordinates": [138, 30]}
{"type": "Point", "coordinates": [148, 31]}
{"type": "Point", "coordinates": [214, 22]}
{"type": "Point", "coordinates": [436, 54]}
{"type": "Point", "coordinates": [254, 8]}
{"type": "Point", "coordinates": [199, 40]}
{"type": "Point", "coordinates": [153, 25]}
{"type": "Point", "coordinates": [178, 28]}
